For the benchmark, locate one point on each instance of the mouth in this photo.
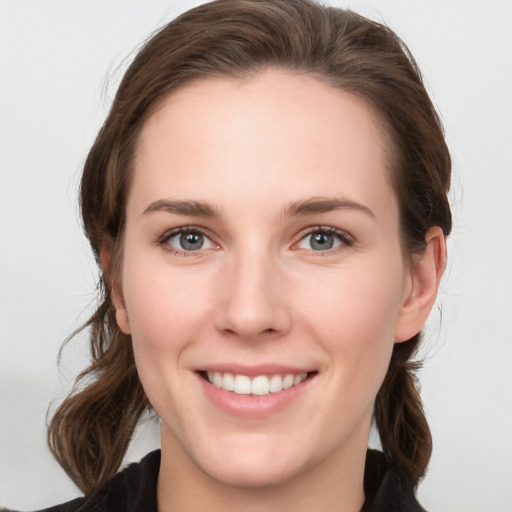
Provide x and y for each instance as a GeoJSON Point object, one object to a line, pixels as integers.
{"type": "Point", "coordinates": [259, 385]}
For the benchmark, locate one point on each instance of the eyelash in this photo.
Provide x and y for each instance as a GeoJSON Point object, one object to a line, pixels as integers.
{"type": "Point", "coordinates": [163, 241]}
{"type": "Point", "coordinates": [345, 239]}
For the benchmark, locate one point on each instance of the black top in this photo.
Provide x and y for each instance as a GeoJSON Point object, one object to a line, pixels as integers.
{"type": "Point", "coordinates": [134, 489]}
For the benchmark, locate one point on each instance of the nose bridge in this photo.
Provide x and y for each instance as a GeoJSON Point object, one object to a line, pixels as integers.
{"type": "Point", "coordinates": [252, 294]}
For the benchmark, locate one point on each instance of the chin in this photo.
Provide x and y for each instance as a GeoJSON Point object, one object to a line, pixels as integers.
{"type": "Point", "coordinates": [249, 474]}
{"type": "Point", "coordinates": [256, 462]}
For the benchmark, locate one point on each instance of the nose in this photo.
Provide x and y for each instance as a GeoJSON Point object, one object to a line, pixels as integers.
{"type": "Point", "coordinates": [252, 303]}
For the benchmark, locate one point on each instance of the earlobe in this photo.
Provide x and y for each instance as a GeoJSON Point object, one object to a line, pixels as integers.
{"type": "Point", "coordinates": [115, 288]}
{"type": "Point", "coordinates": [122, 320]}
{"type": "Point", "coordinates": [426, 271]}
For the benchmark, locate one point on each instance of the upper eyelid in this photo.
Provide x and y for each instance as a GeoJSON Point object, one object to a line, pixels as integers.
{"type": "Point", "coordinates": [164, 241]}
{"type": "Point", "coordinates": [184, 229]}
{"type": "Point", "coordinates": [328, 229]}
{"type": "Point", "coordinates": [343, 234]}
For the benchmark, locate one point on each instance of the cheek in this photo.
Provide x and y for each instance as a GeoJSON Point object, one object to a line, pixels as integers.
{"type": "Point", "coordinates": [352, 315]}
{"type": "Point", "coordinates": [166, 314]}
{"type": "Point", "coordinates": [163, 307]}
{"type": "Point", "coordinates": [354, 301]}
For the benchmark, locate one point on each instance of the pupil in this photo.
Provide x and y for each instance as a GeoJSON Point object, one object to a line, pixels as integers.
{"type": "Point", "coordinates": [191, 241]}
{"type": "Point", "coordinates": [322, 241]}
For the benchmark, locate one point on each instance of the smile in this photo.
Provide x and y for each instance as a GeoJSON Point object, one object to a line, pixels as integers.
{"type": "Point", "coordinates": [259, 385]}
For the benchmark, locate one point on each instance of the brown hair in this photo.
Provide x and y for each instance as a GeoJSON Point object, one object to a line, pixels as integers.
{"type": "Point", "coordinates": [90, 431]}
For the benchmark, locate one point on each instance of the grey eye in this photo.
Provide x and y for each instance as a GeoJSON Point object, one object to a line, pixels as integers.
{"type": "Point", "coordinates": [321, 240]}
{"type": "Point", "coordinates": [190, 241]}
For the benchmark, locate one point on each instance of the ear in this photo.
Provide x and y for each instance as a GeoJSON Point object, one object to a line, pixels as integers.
{"type": "Point", "coordinates": [425, 272]}
{"type": "Point", "coordinates": [115, 285]}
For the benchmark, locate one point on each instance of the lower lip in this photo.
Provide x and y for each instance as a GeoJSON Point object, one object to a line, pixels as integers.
{"type": "Point", "coordinates": [253, 406]}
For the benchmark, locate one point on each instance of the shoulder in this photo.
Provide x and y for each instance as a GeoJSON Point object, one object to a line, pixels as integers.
{"type": "Point", "coordinates": [130, 490]}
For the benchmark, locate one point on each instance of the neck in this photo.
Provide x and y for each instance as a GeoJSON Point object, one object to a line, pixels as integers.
{"type": "Point", "coordinates": [335, 484]}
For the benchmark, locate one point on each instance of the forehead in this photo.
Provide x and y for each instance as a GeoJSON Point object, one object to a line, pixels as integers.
{"type": "Point", "coordinates": [277, 133]}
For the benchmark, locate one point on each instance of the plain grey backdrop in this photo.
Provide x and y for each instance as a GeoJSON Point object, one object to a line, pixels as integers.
{"type": "Point", "coordinates": [55, 56]}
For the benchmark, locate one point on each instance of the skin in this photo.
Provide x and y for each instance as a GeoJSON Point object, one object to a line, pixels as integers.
{"type": "Point", "coordinates": [257, 292]}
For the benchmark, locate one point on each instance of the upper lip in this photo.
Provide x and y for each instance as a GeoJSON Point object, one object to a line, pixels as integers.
{"type": "Point", "coordinates": [254, 370]}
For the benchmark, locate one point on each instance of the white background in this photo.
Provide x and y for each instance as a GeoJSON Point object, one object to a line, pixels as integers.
{"type": "Point", "coordinates": [54, 58]}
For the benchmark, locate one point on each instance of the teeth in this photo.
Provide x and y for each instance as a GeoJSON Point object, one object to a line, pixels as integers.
{"type": "Point", "coordinates": [276, 383]}
{"type": "Point", "coordinates": [217, 379]}
{"type": "Point", "coordinates": [228, 382]}
{"type": "Point", "coordinates": [288, 381]}
{"type": "Point", "coordinates": [242, 385]}
{"type": "Point", "coordinates": [260, 385]}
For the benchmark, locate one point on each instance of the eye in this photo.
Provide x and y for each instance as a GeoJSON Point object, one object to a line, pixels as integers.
{"type": "Point", "coordinates": [187, 240]}
{"type": "Point", "coordinates": [324, 239]}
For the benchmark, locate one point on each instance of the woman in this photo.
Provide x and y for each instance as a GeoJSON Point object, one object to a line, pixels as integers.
{"type": "Point", "coordinates": [267, 203]}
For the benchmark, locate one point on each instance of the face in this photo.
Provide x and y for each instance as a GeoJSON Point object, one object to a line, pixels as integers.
{"type": "Point", "coordinates": [263, 278]}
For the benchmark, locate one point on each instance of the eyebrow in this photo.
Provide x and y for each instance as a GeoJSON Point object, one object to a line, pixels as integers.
{"type": "Point", "coordinates": [308, 206]}
{"type": "Point", "coordinates": [186, 207]}
{"type": "Point", "coordinates": [323, 205]}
